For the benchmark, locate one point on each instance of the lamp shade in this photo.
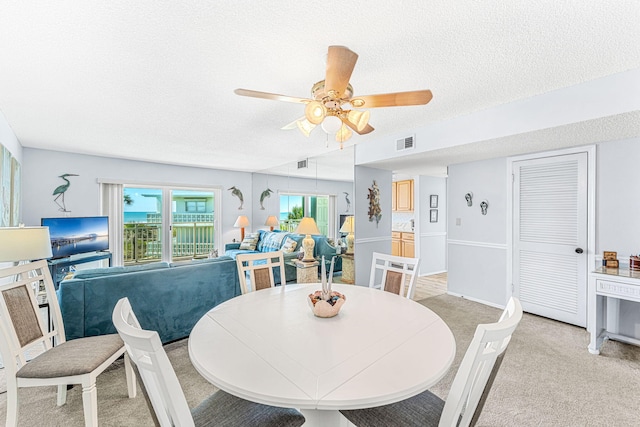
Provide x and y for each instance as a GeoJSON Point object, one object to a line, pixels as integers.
{"type": "Point", "coordinates": [348, 226]}
{"type": "Point", "coordinates": [24, 243]}
{"type": "Point", "coordinates": [305, 126]}
{"type": "Point", "coordinates": [315, 112]}
{"type": "Point", "coordinates": [271, 221]}
{"type": "Point", "coordinates": [343, 134]}
{"type": "Point", "coordinates": [331, 124]}
{"type": "Point", "coordinates": [307, 226]}
{"type": "Point", "coordinates": [359, 118]}
{"type": "Point", "coordinates": [241, 222]}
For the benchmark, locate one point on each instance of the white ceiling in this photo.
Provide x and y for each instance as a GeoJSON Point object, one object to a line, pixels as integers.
{"type": "Point", "coordinates": [154, 80]}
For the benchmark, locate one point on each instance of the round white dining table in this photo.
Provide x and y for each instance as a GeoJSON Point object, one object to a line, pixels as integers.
{"type": "Point", "coordinates": [268, 347]}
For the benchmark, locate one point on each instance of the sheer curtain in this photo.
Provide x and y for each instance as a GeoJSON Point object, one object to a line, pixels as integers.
{"type": "Point", "coordinates": [112, 205]}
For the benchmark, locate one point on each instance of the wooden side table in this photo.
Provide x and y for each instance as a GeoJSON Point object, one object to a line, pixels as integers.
{"type": "Point", "coordinates": [348, 272]}
{"type": "Point", "coordinates": [306, 272]}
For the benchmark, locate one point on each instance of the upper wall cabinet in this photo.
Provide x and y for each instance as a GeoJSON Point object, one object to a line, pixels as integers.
{"type": "Point", "coordinates": [402, 198]}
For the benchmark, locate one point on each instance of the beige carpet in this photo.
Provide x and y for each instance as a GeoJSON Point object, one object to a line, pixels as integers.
{"type": "Point", "coordinates": [548, 378]}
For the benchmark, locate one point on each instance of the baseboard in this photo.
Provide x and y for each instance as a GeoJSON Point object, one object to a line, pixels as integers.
{"type": "Point", "coordinates": [490, 304]}
{"type": "Point", "coordinates": [431, 273]}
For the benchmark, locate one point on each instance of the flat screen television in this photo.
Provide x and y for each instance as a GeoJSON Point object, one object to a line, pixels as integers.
{"type": "Point", "coordinates": [77, 235]}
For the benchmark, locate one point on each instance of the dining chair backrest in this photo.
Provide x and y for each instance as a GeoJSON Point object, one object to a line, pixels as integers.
{"type": "Point", "coordinates": [479, 367]}
{"type": "Point", "coordinates": [159, 379]}
{"type": "Point", "coordinates": [390, 273]}
{"type": "Point", "coordinates": [22, 327]}
{"type": "Point", "coordinates": [259, 267]}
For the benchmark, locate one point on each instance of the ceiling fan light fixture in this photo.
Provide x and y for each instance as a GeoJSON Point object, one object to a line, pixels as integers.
{"type": "Point", "coordinates": [305, 126]}
{"type": "Point", "coordinates": [331, 124]}
{"type": "Point", "coordinates": [315, 112]}
{"type": "Point", "coordinates": [343, 134]}
{"type": "Point", "coordinates": [359, 118]}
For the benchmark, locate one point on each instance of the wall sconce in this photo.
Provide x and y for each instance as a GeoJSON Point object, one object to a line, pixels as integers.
{"type": "Point", "coordinates": [484, 205]}
{"type": "Point", "coordinates": [469, 198]}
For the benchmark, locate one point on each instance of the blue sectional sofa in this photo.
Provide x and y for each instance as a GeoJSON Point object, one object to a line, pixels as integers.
{"type": "Point", "coordinates": [274, 240]}
{"type": "Point", "coordinates": [168, 298]}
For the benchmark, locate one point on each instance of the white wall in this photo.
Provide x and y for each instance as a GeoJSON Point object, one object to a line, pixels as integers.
{"type": "Point", "coordinates": [431, 237]}
{"type": "Point", "coordinates": [9, 140]}
{"type": "Point", "coordinates": [370, 237]}
{"type": "Point", "coordinates": [41, 169]}
{"type": "Point", "coordinates": [618, 213]}
{"type": "Point", "coordinates": [476, 248]}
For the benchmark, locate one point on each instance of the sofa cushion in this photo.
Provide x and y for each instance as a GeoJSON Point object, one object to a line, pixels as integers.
{"type": "Point", "coordinates": [250, 242]}
{"type": "Point", "coordinates": [271, 241]}
{"type": "Point", "coordinates": [289, 245]}
{"type": "Point", "coordinates": [107, 271]}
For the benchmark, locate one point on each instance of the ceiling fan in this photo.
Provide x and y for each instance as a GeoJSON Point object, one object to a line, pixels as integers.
{"type": "Point", "coordinates": [333, 105]}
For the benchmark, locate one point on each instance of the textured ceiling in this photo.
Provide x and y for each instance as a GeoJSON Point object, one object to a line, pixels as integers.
{"type": "Point", "coordinates": [154, 80]}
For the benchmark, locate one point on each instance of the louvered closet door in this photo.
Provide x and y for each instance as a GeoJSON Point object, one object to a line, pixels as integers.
{"type": "Point", "coordinates": [550, 229]}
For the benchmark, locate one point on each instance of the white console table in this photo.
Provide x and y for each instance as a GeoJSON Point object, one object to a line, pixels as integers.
{"type": "Point", "coordinates": [607, 286]}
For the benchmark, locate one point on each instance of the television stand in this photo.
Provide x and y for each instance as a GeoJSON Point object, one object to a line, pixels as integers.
{"type": "Point", "coordinates": [59, 267]}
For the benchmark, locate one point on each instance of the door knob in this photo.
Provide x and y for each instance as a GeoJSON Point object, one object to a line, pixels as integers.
{"type": "Point", "coordinates": [579, 250]}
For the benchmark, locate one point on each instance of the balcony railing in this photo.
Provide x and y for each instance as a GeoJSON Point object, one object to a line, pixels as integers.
{"type": "Point", "coordinates": [289, 224]}
{"type": "Point", "coordinates": [143, 243]}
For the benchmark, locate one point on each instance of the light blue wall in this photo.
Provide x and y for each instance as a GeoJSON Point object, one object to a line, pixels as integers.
{"type": "Point", "coordinates": [476, 249]}
{"type": "Point", "coordinates": [370, 237]}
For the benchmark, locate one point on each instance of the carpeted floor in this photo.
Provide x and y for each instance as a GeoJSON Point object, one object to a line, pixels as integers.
{"type": "Point", "coordinates": [548, 378]}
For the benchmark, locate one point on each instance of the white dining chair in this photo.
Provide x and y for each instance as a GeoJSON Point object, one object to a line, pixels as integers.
{"type": "Point", "coordinates": [164, 393]}
{"type": "Point", "coordinates": [24, 331]}
{"type": "Point", "coordinates": [259, 267]}
{"type": "Point", "coordinates": [390, 273]}
{"type": "Point", "coordinates": [469, 389]}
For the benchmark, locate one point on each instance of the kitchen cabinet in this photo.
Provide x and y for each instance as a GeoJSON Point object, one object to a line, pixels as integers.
{"type": "Point", "coordinates": [402, 196]}
{"type": "Point", "coordinates": [402, 244]}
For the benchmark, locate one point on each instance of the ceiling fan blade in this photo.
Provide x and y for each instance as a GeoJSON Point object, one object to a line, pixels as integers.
{"type": "Point", "coordinates": [272, 96]}
{"type": "Point", "coordinates": [397, 99]}
{"type": "Point", "coordinates": [367, 129]}
{"type": "Point", "coordinates": [340, 64]}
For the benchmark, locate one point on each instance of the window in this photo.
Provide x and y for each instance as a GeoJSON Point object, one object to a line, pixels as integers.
{"type": "Point", "coordinates": [162, 223]}
{"type": "Point", "coordinates": [195, 206]}
{"type": "Point", "coordinates": [319, 207]}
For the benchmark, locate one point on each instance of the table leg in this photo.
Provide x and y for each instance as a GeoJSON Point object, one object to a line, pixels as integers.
{"type": "Point", "coordinates": [319, 418]}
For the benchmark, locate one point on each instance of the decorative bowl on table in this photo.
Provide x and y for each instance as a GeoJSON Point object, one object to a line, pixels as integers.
{"type": "Point", "coordinates": [326, 308]}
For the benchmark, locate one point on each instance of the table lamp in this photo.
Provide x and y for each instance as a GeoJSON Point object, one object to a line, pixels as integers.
{"type": "Point", "coordinates": [24, 244]}
{"type": "Point", "coordinates": [241, 223]}
{"type": "Point", "coordinates": [307, 226]}
{"type": "Point", "coordinates": [348, 227]}
{"type": "Point", "coordinates": [271, 221]}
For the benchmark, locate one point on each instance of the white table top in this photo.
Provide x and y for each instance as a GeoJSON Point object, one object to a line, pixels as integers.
{"type": "Point", "coordinates": [268, 347]}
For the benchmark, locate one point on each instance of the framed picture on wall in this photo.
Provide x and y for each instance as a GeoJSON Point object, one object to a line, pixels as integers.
{"type": "Point", "coordinates": [433, 201]}
{"type": "Point", "coordinates": [433, 215]}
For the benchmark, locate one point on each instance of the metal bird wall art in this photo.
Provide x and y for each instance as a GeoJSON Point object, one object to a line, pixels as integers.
{"type": "Point", "coordinates": [61, 190]}
{"type": "Point", "coordinates": [346, 198]}
{"type": "Point", "coordinates": [236, 192]}
{"type": "Point", "coordinates": [266, 193]}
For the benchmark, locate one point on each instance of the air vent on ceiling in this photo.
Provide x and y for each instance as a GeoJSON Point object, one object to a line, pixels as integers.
{"type": "Point", "coordinates": [405, 143]}
{"type": "Point", "coordinates": [302, 164]}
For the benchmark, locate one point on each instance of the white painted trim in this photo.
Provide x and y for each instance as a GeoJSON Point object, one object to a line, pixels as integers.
{"type": "Point", "coordinates": [373, 239]}
{"type": "Point", "coordinates": [434, 234]}
{"type": "Point", "coordinates": [431, 273]}
{"type": "Point", "coordinates": [490, 304]}
{"type": "Point", "coordinates": [477, 244]}
{"type": "Point", "coordinates": [591, 204]}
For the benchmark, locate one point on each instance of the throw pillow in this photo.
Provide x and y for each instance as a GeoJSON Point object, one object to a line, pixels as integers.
{"type": "Point", "coordinates": [250, 242]}
{"type": "Point", "coordinates": [289, 245]}
{"type": "Point", "coordinates": [271, 241]}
